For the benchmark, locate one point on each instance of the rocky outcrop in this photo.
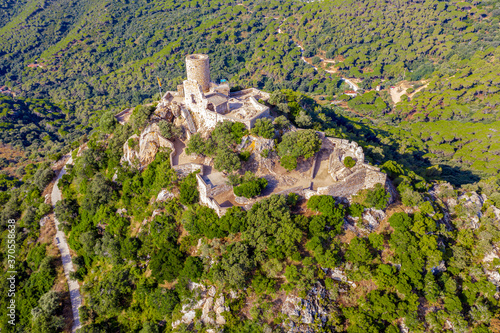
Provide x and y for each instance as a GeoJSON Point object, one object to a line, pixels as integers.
{"type": "Point", "coordinates": [302, 312]}
{"type": "Point", "coordinates": [141, 151]}
{"type": "Point", "coordinates": [166, 110]}
{"type": "Point", "coordinates": [164, 195]}
{"type": "Point", "coordinates": [373, 217]}
{"type": "Point", "coordinates": [212, 308]}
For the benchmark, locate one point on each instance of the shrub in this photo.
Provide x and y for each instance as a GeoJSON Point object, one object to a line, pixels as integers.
{"type": "Point", "coordinates": [292, 273]}
{"type": "Point", "coordinates": [263, 128]}
{"type": "Point", "coordinates": [262, 284]}
{"type": "Point", "coordinates": [244, 156]}
{"type": "Point", "coordinates": [356, 210]}
{"type": "Point", "coordinates": [196, 145]}
{"type": "Point", "coordinates": [189, 191]}
{"type": "Point", "coordinates": [167, 264]}
{"type": "Point", "coordinates": [376, 197]}
{"type": "Point", "coordinates": [291, 199]}
{"type": "Point", "coordinates": [288, 162]}
{"type": "Point", "coordinates": [299, 144]}
{"type": "Point", "coordinates": [251, 188]}
{"type": "Point", "coordinates": [226, 160]}
{"type": "Point", "coordinates": [193, 268]}
{"type": "Point", "coordinates": [349, 162]}
{"type": "Point", "coordinates": [169, 130]}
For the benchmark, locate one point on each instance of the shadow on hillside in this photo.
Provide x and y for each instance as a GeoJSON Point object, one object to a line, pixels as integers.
{"type": "Point", "coordinates": [414, 161]}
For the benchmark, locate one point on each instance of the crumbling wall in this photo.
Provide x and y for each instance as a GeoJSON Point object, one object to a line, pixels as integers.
{"type": "Point", "coordinates": [184, 170]}
{"type": "Point", "coordinates": [197, 103]}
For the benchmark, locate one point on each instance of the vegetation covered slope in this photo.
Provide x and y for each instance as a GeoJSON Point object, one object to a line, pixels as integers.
{"type": "Point", "coordinates": [97, 56]}
{"type": "Point", "coordinates": [137, 257]}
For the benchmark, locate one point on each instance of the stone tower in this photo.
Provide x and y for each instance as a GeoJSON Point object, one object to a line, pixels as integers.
{"type": "Point", "coordinates": [198, 69]}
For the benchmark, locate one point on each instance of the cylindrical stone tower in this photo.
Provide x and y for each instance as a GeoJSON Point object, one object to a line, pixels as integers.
{"type": "Point", "coordinates": [198, 69]}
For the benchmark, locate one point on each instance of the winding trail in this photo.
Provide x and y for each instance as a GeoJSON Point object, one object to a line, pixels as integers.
{"type": "Point", "coordinates": [351, 84]}
{"type": "Point", "coordinates": [74, 288]}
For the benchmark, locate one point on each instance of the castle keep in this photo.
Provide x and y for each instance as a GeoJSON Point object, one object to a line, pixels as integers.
{"type": "Point", "coordinates": [204, 103]}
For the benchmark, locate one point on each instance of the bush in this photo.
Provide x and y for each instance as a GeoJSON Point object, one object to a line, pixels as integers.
{"type": "Point", "coordinates": [291, 199]}
{"type": "Point", "coordinates": [356, 210]}
{"type": "Point", "coordinates": [376, 197]}
{"type": "Point", "coordinates": [349, 162]}
{"type": "Point", "coordinates": [193, 268]}
{"type": "Point", "coordinates": [108, 122]}
{"type": "Point", "coordinates": [288, 162]}
{"type": "Point", "coordinates": [167, 264]}
{"type": "Point", "coordinates": [189, 190]}
{"type": "Point", "coordinates": [262, 284]}
{"type": "Point", "coordinates": [244, 156]}
{"type": "Point", "coordinates": [299, 144]}
{"type": "Point", "coordinates": [251, 188]}
{"type": "Point", "coordinates": [169, 130]}
{"type": "Point", "coordinates": [263, 128]}
{"type": "Point", "coordinates": [196, 145]}
{"type": "Point", "coordinates": [226, 160]}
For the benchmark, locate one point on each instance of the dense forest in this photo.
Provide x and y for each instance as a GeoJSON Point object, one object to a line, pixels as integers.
{"type": "Point", "coordinates": [140, 259]}
{"type": "Point", "coordinates": [430, 265]}
{"type": "Point", "coordinates": [88, 58]}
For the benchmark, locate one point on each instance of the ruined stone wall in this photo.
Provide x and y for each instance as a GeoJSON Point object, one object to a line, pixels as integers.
{"type": "Point", "coordinates": [350, 147]}
{"type": "Point", "coordinates": [198, 70]}
{"type": "Point", "coordinates": [184, 170]}
{"type": "Point", "coordinates": [205, 199]}
{"type": "Point", "coordinates": [222, 108]}
{"type": "Point", "coordinates": [265, 114]}
{"type": "Point", "coordinates": [197, 103]}
{"type": "Point", "coordinates": [373, 177]}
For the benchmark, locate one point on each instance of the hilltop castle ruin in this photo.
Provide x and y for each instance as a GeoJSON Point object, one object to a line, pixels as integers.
{"type": "Point", "coordinates": [199, 104]}
{"type": "Point", "coordinates": [204, 103]}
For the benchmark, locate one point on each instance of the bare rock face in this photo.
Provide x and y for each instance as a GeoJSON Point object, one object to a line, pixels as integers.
{"type": "Point", "coordinates": [164, 195]}
{"type": "Point", "coordinates": [373, 217]}
{"type": "Point", "coordinates": [206, 317]}
{"type": "Point", "coordinates": [166, 110]}
{"type": "Point", "coordinates": [144, 152]}
{"type": "Point", "coordinates": [291, 307]}
{"type": "Point", "coordinates": [303, 312]}
{"type": "Point", "coordinates": [212, 307]}
{"type": "Point", "coordinates": [219, 308]}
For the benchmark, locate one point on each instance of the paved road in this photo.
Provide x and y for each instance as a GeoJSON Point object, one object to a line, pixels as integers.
{"type": "Point", "coordinates": [74, 288]}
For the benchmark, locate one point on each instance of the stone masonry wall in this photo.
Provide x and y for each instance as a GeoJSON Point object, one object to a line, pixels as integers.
{"type": "Point", "coordinates": [205, 199]}
{"type": "Point", "coordinates": [198, 70]}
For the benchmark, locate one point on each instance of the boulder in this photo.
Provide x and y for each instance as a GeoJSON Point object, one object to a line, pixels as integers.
{"type": "Point", "coordinates": [150, 141]}
{"type": "Point", "coordinates": [206, 317]}
{"type": "Point", "coordinates": [164, 195]}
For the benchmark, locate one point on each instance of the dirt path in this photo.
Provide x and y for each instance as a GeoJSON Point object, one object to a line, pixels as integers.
{"type": "Point", "coordinates": [74, 288]}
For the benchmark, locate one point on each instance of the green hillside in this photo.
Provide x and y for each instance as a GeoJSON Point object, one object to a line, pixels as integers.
{"type": "Point", "coordinates": [427, 114]}
{"type": "Point", "coordinates": [100, 56]}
